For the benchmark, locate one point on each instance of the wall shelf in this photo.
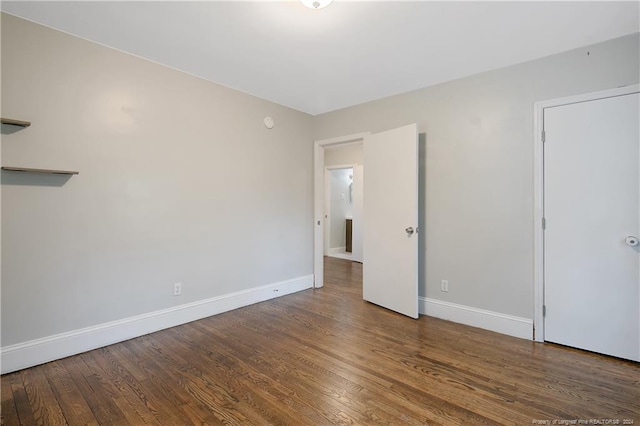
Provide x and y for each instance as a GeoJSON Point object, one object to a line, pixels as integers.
{"type": "Point", "coordinates": [48, 171]}
{"type": "Point", "coordinates": [13, 122]}
{"type": "Point", "coordinates": [21, 123]}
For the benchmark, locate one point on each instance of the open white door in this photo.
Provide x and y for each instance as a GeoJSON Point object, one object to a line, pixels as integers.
{"type": "Point", "coordinates": [390, 262]}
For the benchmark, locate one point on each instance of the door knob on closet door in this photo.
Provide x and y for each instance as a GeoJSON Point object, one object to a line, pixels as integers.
{"type": "Point", "coordinates": [409, 230]}
{"type": "Point", "coordinates": [631, 241]}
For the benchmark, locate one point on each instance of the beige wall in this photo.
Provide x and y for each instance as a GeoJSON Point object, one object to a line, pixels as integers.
{"type": "Point", "coordinates": [479, 166]}
{"type": "Point", "coordinates": [343, 155]}
{"type": "Point", "coordinates": [179, 181]}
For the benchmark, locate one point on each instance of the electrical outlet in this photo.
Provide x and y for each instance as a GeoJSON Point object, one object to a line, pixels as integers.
{"type": "Point", "coordinates": [177, 289]}
{"type": "Point", "coordinates": [444, 285]}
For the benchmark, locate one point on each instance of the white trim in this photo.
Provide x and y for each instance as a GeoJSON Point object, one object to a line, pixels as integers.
{"type": "Point", "coordinates": [586, 97]}
{"type": "Point", "coordinates": [354, 139]}
{"type": "Point", "coordinates": [538, 192]}
{"type": "Point", "coordinates": [340, 167]}
{"type": "Point", "coordinates": [39, 351]}
{"type": "Point", "coordinates": [344, 256]}
{"type": "Point", "coordinates": [488, 320]}
{"type": "Point", "coordinates": [318, 208]}
{"type": "Point", "coordinates": [337, 250]}
{"type": "Point", "coordinates": [538, 232]}
{"type": "Point", "coordinates": [318, 221]}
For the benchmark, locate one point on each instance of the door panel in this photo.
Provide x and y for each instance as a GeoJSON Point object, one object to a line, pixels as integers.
{"type": "Point", "coordinates": [591, 203]}
{"type": "Point", "coordinates": [390, 257]}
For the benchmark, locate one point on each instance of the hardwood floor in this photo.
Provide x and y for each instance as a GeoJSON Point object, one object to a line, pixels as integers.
{"type": "Point", "coordinates": [324, 357]}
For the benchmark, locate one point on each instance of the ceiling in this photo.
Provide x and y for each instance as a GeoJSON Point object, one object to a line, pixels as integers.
{"type": "Point", "coordinates": [351, 52]}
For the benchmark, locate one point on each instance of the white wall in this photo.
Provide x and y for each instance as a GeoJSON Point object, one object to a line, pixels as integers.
{"type": "Point", "coordinates": [479, 166]}
{"type": "Point", "coordinates": [341, 206]}
{"type": "Point", "coordinates": [341, 155]}
{"type": "Point", "coordinates": [179, 182]}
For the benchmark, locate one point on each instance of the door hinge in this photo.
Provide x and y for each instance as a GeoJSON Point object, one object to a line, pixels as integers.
{"type": "Point", "coordinates": [544, 223]}
{"type": "Point", "coordinates": [544, 136]}
{"type": "Point", "coordinates": [544, 310]}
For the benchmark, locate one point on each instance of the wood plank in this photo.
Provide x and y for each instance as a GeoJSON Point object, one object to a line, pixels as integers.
{"type": "Point", "coordinates": [147, 409]}
{"type": "Point", "coordinates": [164, 372]}
{"type": "Point", "coordinates": [43, 402]}
{"type": "Point", "coordinates": [21, 399]}
{"type": "Point", "coordinates": [395, 355]}
{"type": "Point", "coordinates": [324, 357]}
{"type": "Point", "coordinates": [311, 379]}
{"type": "Point", "coordinates": [46, 171]}
{"type": "Point", "coordinates": [420, 398]}
{"type": "Point", "coordinates": [167, 402]}
{"type": "Point", "coordinates": [295, 387]}
{"type": "Point", "coordinates": [8, 410]}
{"type": "Point", "coordinates": [14, 122]}
{"type": "Point", "coordinates": [98, 396]}
{"type": "Point", "coordinates": [71, 400]}
{"type": "Point", "coordinates": [231, 395]}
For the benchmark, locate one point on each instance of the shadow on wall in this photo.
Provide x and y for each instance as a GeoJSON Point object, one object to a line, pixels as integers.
{"type": "Point", "coordinates": [33, 179]}
{"type": "Point", "coordinates": [8, 129]}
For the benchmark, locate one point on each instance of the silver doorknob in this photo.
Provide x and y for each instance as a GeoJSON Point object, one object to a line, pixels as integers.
{"type": "Point", "coordinates": [631, 241]}
{"type": "Point", "coordinates": [409, 230]}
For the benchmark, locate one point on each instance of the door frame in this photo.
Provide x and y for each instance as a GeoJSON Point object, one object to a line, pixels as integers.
{"type": "Point", "coordinates": [538, 192]}
{"type": "Point", "coordinates": [318, 181]}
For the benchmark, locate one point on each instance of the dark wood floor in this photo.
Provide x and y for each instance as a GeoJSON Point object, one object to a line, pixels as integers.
{"type": "Point", "coordinates": [323, 357]}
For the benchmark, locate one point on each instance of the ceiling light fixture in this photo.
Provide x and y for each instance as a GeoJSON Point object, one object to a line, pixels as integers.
{"type": "Point", "coordinates": [316, 4]}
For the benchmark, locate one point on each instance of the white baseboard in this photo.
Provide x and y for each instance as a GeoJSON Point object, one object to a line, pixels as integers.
{"type": "Point", "coordinates": [337, 250]}
{"type": "Point", "coordinates": [39, 351]}
{"type": "Point", "coordinates": [488, 320]}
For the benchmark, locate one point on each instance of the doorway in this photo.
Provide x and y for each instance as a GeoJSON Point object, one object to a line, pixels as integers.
{"type": "Point", "coordinates": [344, 209]}
{"type": "Point", "coordinates": [327, 153]}
{"type": "Point", "coordinates": [587, 256]}
{"type": "Point", "coordinates": [390, 219]}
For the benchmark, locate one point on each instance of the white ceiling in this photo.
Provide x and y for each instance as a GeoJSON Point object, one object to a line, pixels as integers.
{"type": "Point", "coordinates": [349, 53]}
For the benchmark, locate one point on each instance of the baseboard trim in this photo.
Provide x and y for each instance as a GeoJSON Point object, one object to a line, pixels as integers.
{"type": "Point", "coordinates": [39, 351]}
{"type": "Point", "coordinates": [488, 320]}
{"type": "Point", "coordinates": [337, 250]}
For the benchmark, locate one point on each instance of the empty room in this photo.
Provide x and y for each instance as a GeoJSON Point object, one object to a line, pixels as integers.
{"type": "Point", "coordinates": [317, 212]}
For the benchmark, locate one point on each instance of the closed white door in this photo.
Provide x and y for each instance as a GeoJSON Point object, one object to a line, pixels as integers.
{"type": "Point", "coordinates": [390, 257]}
{"type": "Point", "coordinates": [591, 208]}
